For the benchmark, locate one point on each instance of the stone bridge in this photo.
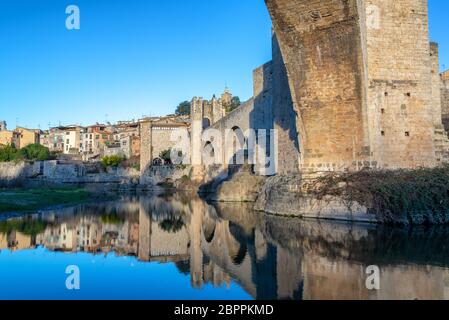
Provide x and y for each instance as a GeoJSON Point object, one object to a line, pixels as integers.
{"type": "Point", "coordinates": [359, 73]}
{"type": "Point", "coordinates": [350, 86]}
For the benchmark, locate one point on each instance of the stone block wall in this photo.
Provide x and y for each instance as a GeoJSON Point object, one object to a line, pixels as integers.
{"type": "Point", "coordinates": [445, 98]}
{"type": "Point", "coordinates": [55, 174]}
{"type": "Point", "coordinates": [145, 145]}
{"type": "Point", "coordinates": [359, 72]}
{"type": "Point", "coordinates": [436, 85]}
{"type": "Point", "coordinates": [284, 116]}
{"type": "Point", "coordinates": [399, 81]}
{"type": "Point", "coordinates": [321, 48]}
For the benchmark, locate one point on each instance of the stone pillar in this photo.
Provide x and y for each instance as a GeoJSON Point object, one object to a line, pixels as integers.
{"type": "Point", "coordinates": [144, 233]}
{"type": "Point", "coordinates": [445, 98]}
{"type": "Point", "coordinates": [360, 88]}
{"type": "Point", "coordinates": [196, 139]}
{"type": "Point", "coordinates": [436, 83]}
{"type": "Point", "coordinates": [196, 253]}
{"type": "Point", "coordinates": [146, 145]}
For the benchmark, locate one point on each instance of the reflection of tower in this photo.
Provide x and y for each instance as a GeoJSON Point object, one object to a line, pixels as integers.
{"type": "Point", "coordinates": [144, 233]}
{"type": "Point", "coordinates": [196, 253]}
{"type": "Point", "coordinates": [196, 138]}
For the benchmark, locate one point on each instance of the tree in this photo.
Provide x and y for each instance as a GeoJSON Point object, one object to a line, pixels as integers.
{"type": "Point", "coordinates": [112, 161]}
{"type": "Point", "coordinates": [10, 153]}
{"type": "Point", "coordinates": [183, 109]}
{"type": "Point", "coordinates": [36, 152]}
{"type": "Point", "coordinates": [235, 103]}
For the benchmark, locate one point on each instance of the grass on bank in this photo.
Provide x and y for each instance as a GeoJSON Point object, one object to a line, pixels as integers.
{"type": "Point", "coordinates": [414, 197]}
{"type": "Point", "coordinates": [26, 200]}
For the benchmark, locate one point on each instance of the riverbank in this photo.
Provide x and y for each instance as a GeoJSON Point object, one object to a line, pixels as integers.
{"type": "Point", "coordinates": [400, 197]}
{"type": "Point", "coordinates": [28, 200]}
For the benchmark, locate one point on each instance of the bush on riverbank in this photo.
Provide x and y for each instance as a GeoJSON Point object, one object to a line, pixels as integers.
{"type": "Point", "coordinates": [112, 161]}
{"type": "Point", "coordinates": [27, 200]}
{"type": "Point", "coordinates": [32, 152]}
{"type": "Point", "coordinates": [399, 197]}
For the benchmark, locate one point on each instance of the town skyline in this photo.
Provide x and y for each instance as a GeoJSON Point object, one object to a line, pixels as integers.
{"type": "Point", "coordinates": [86, 76]}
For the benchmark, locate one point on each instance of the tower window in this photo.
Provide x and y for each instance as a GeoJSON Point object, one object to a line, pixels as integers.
{"type": "Point", "coordinates": [382, 133]}
{"type": "Point", "coordinates": [382, 111]}
{"type": "Point", "coordinates": [386, 94]}
{"type": "Point", "coordinates": [407, 134]}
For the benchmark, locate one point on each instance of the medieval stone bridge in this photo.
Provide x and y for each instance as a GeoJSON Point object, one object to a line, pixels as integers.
{"type": "Point", "coordinates": [352, 84]}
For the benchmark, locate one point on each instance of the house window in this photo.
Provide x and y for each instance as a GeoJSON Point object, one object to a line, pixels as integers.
{"type": "Point", "coordinates": [382, 133]}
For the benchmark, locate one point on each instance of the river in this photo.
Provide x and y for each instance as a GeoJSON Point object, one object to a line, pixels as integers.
{"type": "Point", "coordinates": [179, 247]}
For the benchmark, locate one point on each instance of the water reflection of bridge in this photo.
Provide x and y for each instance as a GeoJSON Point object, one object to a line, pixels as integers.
{"type": "Point", "coordinates": [270, 257]}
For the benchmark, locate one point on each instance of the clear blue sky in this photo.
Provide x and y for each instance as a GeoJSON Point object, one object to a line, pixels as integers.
{"type": "Point", "coordinates": [134, 57]}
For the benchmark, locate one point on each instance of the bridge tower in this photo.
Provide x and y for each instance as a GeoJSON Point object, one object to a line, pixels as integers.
{"type": "Point", "coordinates": [197, 117]}
{"type": "Point", "coordinates": [359, 73]}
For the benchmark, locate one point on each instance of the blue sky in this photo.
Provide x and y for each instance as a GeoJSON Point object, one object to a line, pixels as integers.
{"type": "Point", "coordinates": [134, 57]}
{"type": "Point", "coordinates": [40, 274]}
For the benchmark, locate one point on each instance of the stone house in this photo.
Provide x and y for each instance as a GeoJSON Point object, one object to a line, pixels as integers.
{"type": "Point", "coordinates": [72, 139]}
{"type": "Point", "coordinates": [94, 140]}
{"type": "Point", "coordinates": [53, 139]}
{"type": "Point", "coordinates": [7, 138]}
{"type": "Point", "coordinates": [127, 136]}
{"type": "Point", "coordinates": [156, 134]}
{"type": "Point", "coordinates": [24, 137]}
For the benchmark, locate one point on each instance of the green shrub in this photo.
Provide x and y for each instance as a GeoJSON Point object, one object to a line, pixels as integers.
{"type": "Point", "coordinates": [36, 152]}
{"type": "Point", "coordinates": [112, 161]}
{"type": "Point", "coordinates": [10, 153]}
{"type": "Point", "coordinates": [32, 152]}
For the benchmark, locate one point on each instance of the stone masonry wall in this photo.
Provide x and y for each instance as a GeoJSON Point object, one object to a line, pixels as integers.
{"type": "Point", "coordinates": [360, 78]}
{"type": "Point", "coordinates": [445, 99]}
{"type": "Point", "coordinates": [400, 109]}
{"type": "Point", "coordinates": [284, 116]}
{"type": "Point", "coordinates": [54, 174]}
{"type": "Point", "coordinates": [436, 85]}
{"type": "Point", "coordinates": [145, 145]}
{"type": "Point", "coordinates": [321, 47]}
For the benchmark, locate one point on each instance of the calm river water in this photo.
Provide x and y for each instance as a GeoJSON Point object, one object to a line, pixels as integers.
{"type": "Point", "coordinates": [179, 247]}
